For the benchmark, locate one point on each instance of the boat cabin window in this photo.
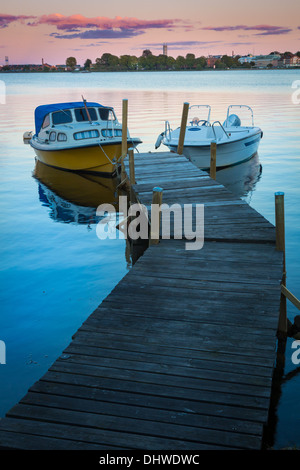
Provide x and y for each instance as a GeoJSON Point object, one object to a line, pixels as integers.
{"type": "Point", "coordinates": [81, 114]}
{"type": "Point", "coordinates": [107, 114]}
{"type": "Point", "coordinates": [46, 121]}
{"type": "Point", "coordinates": [86, 134]}
{"type": "Point", "coordinates": [62, 117]}
{"type": "Point", "coordinates": [111, 132]}
{"type": "Point", "coordinates": [61, 137]}
{"type": "Point", "coordinates": [52, 136]}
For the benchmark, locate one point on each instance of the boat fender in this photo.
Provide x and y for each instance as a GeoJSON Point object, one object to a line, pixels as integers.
{"type": "Point", "coordinates": [159, 140]}
{"type": "Point", "coordinates": [261, 135]}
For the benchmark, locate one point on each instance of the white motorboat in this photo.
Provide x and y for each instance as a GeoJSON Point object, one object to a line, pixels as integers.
{"type": "Point", "coordinates": [235, 143]}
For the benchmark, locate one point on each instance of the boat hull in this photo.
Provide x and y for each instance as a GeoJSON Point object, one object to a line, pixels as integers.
{"type": "Point", "coordinates": [228, 153]}
{"type": "Point", "coordinates": [89, 159]}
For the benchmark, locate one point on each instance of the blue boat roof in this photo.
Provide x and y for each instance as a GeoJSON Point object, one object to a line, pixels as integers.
{"type": "Point", "coordinates": [43, 110]}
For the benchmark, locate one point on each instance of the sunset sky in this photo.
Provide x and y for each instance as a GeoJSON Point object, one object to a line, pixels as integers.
{"type": "Point", "coordinates": [32, 30]}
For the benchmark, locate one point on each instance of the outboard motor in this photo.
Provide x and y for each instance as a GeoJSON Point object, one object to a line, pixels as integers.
{"type": "Point", "coordinates": [232, 120]}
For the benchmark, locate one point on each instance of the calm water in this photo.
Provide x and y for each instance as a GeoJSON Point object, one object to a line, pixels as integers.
{"type": "Point", "coordinates": [54, 269]}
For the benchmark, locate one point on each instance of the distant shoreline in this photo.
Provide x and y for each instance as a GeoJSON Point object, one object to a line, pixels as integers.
{"type": "Point", "coordinates": [241, 69]}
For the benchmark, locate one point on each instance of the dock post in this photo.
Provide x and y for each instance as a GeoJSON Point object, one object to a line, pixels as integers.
{"type": "Point", "coordinates": [131, 166]}
{"type": "Point", "coordinates": [155, 215]}
{"type": "Point", "coordinates": [124, 137]}
{"type": "Point", "coordinates": [213, 159]}
{"type": "Point", "coordinates": [184, 117]}
{"type": "Point", "coordinates": [124, 126]}
{"type": "Point", "coordinates": [280, 246]}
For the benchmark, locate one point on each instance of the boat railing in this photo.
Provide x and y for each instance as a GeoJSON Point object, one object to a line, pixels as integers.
{"type": "Point", "coordinates": [214, 131]}
{"type": "Point", "coordinates": [207, 106]}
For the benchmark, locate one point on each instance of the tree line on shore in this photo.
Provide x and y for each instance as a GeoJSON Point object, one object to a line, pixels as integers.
{"type": "Point", "coordinates": [146, 62]}
{"type": "Point", "coordinates": [149, 61]}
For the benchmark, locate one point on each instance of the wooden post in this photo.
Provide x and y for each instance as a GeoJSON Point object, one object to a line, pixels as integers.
{"type": "Point", "coordinates": [280, 246]}
{"type": "Point", "coordinates": [124, 127]}
{"type": "Point", "coordinates": [131, 166]}
{"type": "Point", "coordinates": [184, 117]}
{"type": "Point", "coordinates": [279, 222]}
{"type": "Point", "coordinates": [155, 216]}
{"type": "Point", "coordinates": [124, 138]}
{"type": "Point", "coordinates": [213, 159]}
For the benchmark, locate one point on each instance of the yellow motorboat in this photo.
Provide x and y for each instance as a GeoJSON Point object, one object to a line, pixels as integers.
{"type": "Point", "coordinates": [79, 136]}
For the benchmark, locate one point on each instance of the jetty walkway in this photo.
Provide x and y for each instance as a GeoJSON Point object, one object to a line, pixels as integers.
{"type": "Point", "coordinates": [180, 355]}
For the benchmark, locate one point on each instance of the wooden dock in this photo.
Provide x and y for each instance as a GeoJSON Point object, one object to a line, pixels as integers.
{"type": "Point", "coordinates": [180, 355]}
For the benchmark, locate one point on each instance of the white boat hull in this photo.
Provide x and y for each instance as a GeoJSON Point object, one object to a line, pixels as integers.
{"type": "Point", "coordinates": [228, 153]}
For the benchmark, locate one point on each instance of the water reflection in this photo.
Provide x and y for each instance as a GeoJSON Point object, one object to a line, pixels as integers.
{"type": "Point", "coordinates": [241, 179]}
{"type": "Point", "coordinates": [72, 197]}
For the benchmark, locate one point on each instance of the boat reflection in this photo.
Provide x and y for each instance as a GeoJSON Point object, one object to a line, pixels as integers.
{"type": "Point", "coordinates": [241, 179]}
{"type": "Point", "coordinates": [72, 197]}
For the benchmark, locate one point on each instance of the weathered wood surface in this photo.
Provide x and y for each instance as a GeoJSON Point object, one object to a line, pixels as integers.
{"type": "Point", "coordinates": [180, 354]}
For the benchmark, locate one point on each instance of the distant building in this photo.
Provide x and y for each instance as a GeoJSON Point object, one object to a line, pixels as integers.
{"type": "Point", "coordinates": [165, 49]}
{"type": "Point", "coordinates": [261, 61]}
{"type": "Point", "coordinates": [61, 67]}
{"type": "Point", "coordinates": [289, 61]}
{"type": "Point", "coordinates": [246, 59]}
{"type": "Point", "coordinates": [212, 59]}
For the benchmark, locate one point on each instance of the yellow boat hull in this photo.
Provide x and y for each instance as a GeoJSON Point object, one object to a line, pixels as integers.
{"type": "Point", "coordinates": [94, 159]}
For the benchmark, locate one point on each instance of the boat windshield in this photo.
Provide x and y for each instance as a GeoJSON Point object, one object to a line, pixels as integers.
{"type": "Point", "coordinates": [46, 121]}
{"type": "Point", "coordinates": [81, 114]}
{"type": "Point", "coordinates": [62, 117]}
{"type": "Point", "coordinates": [107, 114]}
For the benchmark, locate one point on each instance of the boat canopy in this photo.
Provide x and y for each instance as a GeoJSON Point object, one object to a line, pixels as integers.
{"type": "Point", "coordinates": [43, 110]}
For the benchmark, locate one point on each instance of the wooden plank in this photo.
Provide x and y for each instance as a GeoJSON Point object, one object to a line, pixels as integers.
{"type": "Point", "coordinates": [167, 369]}
{"type": "Point", "coordinates": [185, 436]}
{"type": "Point", "coordinates": [125, 410]}
{"type": "Point", "coordinates": [56, 386]}
{"type": "Point", "coordinates": [221, 397]}
{"type": "Point", "coordinates": [161, 361]}
{"type": "Point", "coordinates": [242, 355]}
{"type": "Point", "coordinates": [12, 440]}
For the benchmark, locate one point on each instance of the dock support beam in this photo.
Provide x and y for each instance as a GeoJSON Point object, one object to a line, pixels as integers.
{"type": "Point", "coordinates": [213, 159]}
{"type": "Point", "coordinates": [124, 137]}
{"type": "Point", "coordinates": [124, 126]}
{"type": "Point", "coordinates": [280, 246]}
{"type": "Point", "coordinates": [131, 166]}
{"type": "Point", "coordinates": [184, 117]}
{"type": "Point", "coordinates": [155, 216]}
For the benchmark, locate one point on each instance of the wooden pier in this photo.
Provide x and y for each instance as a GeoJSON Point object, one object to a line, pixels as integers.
{"type": "Point", "coordinates": [181, 353]}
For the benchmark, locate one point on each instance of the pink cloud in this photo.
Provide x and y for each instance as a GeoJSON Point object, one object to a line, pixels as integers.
{"type": "Point", "coordinates": [5, 20]}
{"type": "Point", "coordinates": [63, 22]}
